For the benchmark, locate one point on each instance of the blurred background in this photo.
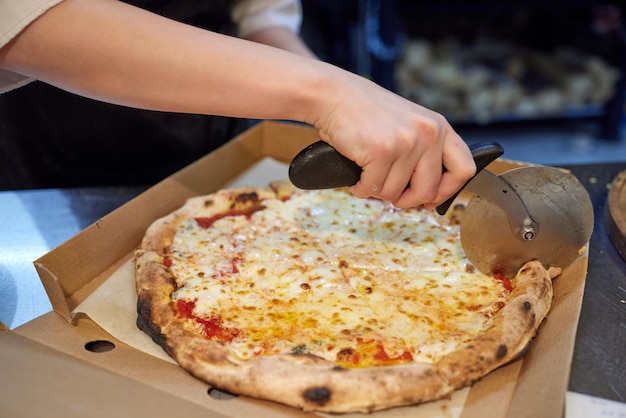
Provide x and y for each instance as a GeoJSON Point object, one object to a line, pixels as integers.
{"type": "Point", "coordinates": [544, 79]}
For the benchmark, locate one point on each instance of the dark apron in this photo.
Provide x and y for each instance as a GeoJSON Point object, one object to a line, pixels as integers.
{"type": "Point", "coordinates": [51, 138]}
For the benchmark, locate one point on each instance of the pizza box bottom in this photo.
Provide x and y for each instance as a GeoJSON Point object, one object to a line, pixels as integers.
{"type": "Point", "coordinates": [65, 364]}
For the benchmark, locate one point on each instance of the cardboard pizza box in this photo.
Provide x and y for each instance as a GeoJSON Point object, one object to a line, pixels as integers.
{"type": "Point", "coordinates": [79, 347]}
{"type": "Point", "coordinates": [39, 381]}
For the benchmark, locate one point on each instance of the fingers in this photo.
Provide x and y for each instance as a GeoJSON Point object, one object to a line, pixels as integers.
{"type": "Point", "coordinates": [459, 169]}
{"type": "Point", "coordinates": [388, 178]}
{"type": "Point", "coordinates": [404, 154]}
{"type": "Point", "coordinates": [373, 177]}
{"type": "Point", "coordinates": [409, 172]}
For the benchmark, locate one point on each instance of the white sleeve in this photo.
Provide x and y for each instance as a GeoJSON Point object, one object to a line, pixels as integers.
{"type": "Point", "coordinates": [15, 15]}
{"type": "Point", "coordinates": [253, 15]}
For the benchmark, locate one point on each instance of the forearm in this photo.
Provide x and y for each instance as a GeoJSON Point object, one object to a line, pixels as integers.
{"type": "Point", "coordinates": [111, 51]}
{"type": "Point", "coordinates": [283, 38]}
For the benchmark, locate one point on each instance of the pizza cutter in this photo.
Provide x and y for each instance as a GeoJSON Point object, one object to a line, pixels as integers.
{"type": "Point", "coordinates": [528, 213]}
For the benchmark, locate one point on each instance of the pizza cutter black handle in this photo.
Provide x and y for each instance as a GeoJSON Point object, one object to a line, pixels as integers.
{"type": "Point", "coordinates": [320, 166]}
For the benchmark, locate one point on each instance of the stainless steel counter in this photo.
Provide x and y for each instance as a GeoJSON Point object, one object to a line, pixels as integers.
{"type": "Point", "coordinates": [32, 222]}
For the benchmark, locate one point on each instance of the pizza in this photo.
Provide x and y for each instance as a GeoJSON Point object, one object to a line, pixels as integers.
{"type": "Point", "coordinates": [327, 302]}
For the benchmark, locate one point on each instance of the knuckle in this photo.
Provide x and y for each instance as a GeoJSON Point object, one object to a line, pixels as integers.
{"type": "Point", "coordinates": [465, 172]}
{"type": "Point", "coordinates": [404, 140]}
{"type": "Point", "coordinates": [470, 171]}
{"type": "Point", "coordinates": [431, 129]}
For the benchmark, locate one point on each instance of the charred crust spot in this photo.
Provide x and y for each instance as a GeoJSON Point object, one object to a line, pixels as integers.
{"type": "Point", "coordinates": [244, 199]}
{"type": "Point", "coordinates": [143, 307]}
{"type": "Point", "coordinates": [147, 326]}
{"type": "Point", "coordinates": [318, 395]}
{"type": "Point", "coordinates": [345, 352]}
{"type": "Point", "coordinates": [208, 203]}
{"type": "Point", "coordinates": [502, 350]}
{"type": "Point", "coordinates": [299, 350]}
{"type": "Point", "coordinates": [527, 306]}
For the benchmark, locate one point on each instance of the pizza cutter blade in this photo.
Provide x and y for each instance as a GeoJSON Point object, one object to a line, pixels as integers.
{"type": "Point", "coordinates": [553, 224]}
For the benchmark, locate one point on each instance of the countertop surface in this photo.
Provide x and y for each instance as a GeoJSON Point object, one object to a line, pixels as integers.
{"type": "Point", "coordinates": [35, 221]}
{"type": "Point", "coordinates": [599, 363]}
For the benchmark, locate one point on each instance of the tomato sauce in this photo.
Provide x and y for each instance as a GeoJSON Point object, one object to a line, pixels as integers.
{"type": "Point", "coordinates": [211, 328]}
{"type": "Point", "coordinates": [208, 221]}
{"type": "Point", "coordinates": [505, 281]}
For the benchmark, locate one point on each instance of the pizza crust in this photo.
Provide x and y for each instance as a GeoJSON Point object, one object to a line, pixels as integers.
{"type": "Point", "coordinates": [512, 329]}
{"type": "Point", "coordinates": [309, 382]}
{"type": "Point", "coordinates": [160, 233]}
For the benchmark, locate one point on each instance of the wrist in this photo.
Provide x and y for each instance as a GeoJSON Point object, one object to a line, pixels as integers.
{"type": "Point", "coordinates": [322, 84]}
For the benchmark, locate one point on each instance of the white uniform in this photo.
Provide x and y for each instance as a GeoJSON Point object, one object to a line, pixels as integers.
{"type": "Point", "coordinates": [15, 15]}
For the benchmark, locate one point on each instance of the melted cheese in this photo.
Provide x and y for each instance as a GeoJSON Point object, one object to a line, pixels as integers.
{"type": "Point", "coordinates": [332, 275]}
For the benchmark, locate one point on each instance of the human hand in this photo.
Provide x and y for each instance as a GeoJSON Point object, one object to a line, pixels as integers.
{"type": "Point", "coordinates": [397, 143]}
